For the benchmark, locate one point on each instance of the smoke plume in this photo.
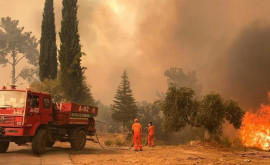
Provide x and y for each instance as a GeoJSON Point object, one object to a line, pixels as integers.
{"type": "Point", "coordinates": [147, 37]}
{"type": "Point", "coordinates": [249, 65]}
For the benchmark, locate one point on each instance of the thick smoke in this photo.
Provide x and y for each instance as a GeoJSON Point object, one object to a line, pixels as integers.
{"type": "Point", "coordinates": [249, 65]}
{"type": "Point", "coordinates": [197, 35]}
{"type": "Point", "coordinates": [147, 37]}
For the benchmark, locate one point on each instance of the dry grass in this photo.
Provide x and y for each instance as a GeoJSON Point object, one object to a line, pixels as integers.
{"type": "Point", "coordinates": [194, 153]}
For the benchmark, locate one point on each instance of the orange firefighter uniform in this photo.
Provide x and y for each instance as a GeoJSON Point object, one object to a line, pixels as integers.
{"type": "Point", "coordinates": [151, 133]}
{"type": "Point", "coordinates": [137, 129]}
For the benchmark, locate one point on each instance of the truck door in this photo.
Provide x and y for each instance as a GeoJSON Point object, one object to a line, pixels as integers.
{"type": "Point", "coordinates": [33, 109]}
{"type": "Point", "coordinates": [46, 110]}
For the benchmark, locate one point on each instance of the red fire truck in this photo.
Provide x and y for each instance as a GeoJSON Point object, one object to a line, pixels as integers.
{"type": "Point", "coordinates": [29, 116]}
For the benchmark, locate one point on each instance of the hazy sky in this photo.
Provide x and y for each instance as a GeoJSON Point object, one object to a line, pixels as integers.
{"type": "Point", "coordinates": [146, 37]}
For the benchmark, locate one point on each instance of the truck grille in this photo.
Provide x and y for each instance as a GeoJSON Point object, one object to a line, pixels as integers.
{"type": "Point", "coordinates": [7, 120]}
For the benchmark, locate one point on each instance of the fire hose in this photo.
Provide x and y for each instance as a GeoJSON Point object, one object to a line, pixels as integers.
{"type": "Point", "coordinates": [119, 148]}
{"type": "Point", "coordinates": [128, 136]}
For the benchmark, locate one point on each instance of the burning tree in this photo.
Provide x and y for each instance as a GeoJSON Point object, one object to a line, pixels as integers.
{"type": "Point", "coordinates": [15, 46]}
{"type": "Point", "coordinates": [180, 108]}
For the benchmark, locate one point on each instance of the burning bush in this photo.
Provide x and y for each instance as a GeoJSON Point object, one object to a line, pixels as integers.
{"type": "Point", "coordinates": [255, 130]}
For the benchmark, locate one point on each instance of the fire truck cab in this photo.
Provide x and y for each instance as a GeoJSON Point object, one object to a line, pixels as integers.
{"type": "Point", "coordinates": [29, 116]}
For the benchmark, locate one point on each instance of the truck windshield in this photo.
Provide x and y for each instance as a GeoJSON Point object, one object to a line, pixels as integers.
{"type": "Point", "coordinates": [12, 99]}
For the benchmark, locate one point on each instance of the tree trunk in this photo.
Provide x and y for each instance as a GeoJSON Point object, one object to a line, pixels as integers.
{"type": "Point", "coordinates": [13, 71]}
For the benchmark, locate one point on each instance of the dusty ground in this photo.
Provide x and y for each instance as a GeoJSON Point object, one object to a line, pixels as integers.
{"type": "Point", "coordinates": [194, 153]}
{"type": "Point", "coordinates": [22, 155]}
{"type": "Point", "coordinates": [197, 153]}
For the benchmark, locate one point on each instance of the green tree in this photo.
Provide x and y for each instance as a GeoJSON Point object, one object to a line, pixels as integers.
{"type": "Point", "coordinates": [72, 77]}
{"type": "Point", "coordinates": [124, 108]}
{"type": "Point", "coordinates": [212, 113]}
{"type": "Point", "coordinates": [233, 113]}
{"type": "Point", "coordinates": [16, 46]}
{"type": "Point", "coordinates": [177, 76]}
{"type": "Point", "coordinates": [180, 108]}
{"type": "Point", "coordinates": [48, 49]}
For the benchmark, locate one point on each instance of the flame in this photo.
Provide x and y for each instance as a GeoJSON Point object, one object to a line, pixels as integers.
{"type": "Point", "coordinates": [255, 130]}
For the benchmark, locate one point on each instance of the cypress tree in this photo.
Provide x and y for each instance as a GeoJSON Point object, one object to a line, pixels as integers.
{"type": "Point", "coordinates": [72, 74]}
{"type": "Point", "coordinates": [124, 108]}
{"type": "Point", "coordinates": [48, 49]}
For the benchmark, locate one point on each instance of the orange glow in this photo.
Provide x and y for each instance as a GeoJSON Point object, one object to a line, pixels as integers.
{"type": "Point", "coordinates": [255, 130]}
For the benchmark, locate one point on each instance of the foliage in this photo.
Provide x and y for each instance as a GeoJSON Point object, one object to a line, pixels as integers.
{"type": "Point", "coordinates": [212, 112]}
{"type": "Point", "coordinates": [237, 144]}
{"type": "Point", "coordinates": [29, 74]}
{"type": "Point", "coordinates": [16, 46]}
{"type": "Point", "coordinates": [124, 108]}
{"type": "Point", "coordinates": [104, 113]}
{"type": "Point", "coordinates": [150, 112]}
{"type": "Point", "coordinates": [180, 79]}
{"type": "Point", "coordinates": [186, 135]}
{"type": "Point", "coordinates": [215, 110]}
{"type": "Point", "coordinates": [48, 49]}
{"type": "Point", "coordinates": [118, 142]}
{"type": "Point", "coordinates": [181, 109]}
{"type": "Point", "coordinates": [233, 113]}
{"type": "Point", "coordinates": [72, 76]}
{"type": "Point", "coordinates": [108, 143]}
{"type": "Point", "coordinates": [50, 86]}
{"type": "Point", "coordinates": [225, 141]}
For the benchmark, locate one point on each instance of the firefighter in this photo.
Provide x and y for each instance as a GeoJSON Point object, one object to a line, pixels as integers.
{"type": "Point", "coordinates": [151, 133]}
{"type": "Point", "coordinates": [136, 131]}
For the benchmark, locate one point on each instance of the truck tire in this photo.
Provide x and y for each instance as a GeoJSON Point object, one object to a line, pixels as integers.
{"type": "Point", "coordinates": [78, 139]}
{"type": "Point", "coordinates": [39, 142]}
{"type": "Point", "coordinates": [49, 144]}
{"type": "Point", "coordinates": [4, 147]}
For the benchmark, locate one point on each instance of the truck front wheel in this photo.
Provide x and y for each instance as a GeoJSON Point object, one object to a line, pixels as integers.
{"type": "Point", "coordinates": [3, 147]}
{"type": "Point", "coordinates": [78, 140]}
{"type": "Point", "coordinates": [39, 142]}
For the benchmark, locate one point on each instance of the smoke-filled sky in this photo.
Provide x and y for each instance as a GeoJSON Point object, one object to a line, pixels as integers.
{"type": "Point", "coordinates": [146, 37]}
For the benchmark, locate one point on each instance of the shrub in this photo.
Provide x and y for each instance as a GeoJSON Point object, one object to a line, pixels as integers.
{"type": "Point", "coordinates": [237, 144]}
{"type": "Point", "coordinates": [108, 143]}
{"type": "Point", "coordinates": [118, 142]}
{"type": "Point", "coordinates": [226, 142]}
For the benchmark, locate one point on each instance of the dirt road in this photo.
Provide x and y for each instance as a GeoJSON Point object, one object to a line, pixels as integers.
{"type": "Point", "coordinates": [171, 155]}
{"type": "Point", "coordinates": [22, 155]}
{"type": "Point", "coordinates": [195, 154]}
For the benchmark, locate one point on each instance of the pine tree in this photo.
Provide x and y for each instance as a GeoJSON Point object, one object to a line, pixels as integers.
{"type": "Point", "coordinates": [16, 45]}
{"type": "Point", "coordinates": [72, 74]}
{"type": "Point", "coordinates": [124, 107]}
{"type": "Point", "coordinates": [48, 49]}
